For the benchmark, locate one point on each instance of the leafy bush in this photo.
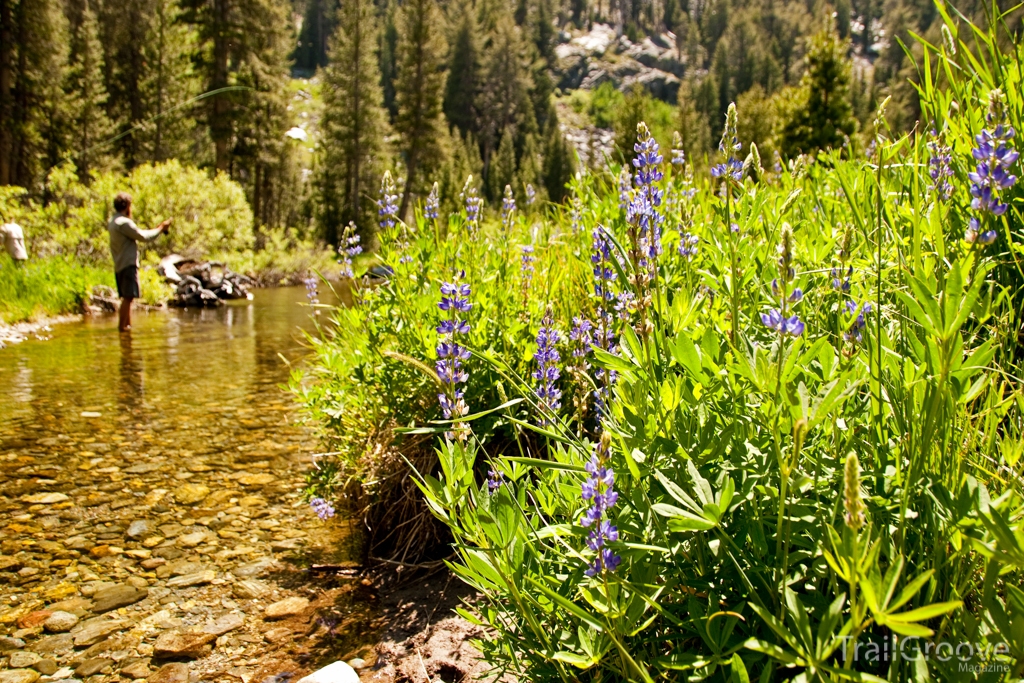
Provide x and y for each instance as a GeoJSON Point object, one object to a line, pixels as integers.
{"type": "Point", "coordinates": [210, 215]}
{"type": "Point", "coordinates": [788, 447]}
{"type": "Point", "coordinates": [42, 287]}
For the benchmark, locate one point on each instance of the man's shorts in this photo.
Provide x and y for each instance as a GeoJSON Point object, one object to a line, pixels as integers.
{"type": "Point", "coordinates": [128, 282]}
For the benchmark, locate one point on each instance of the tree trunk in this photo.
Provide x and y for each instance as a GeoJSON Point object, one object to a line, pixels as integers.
{"type": "Point", "coordinates": [220, 124]}
{"type": "Point", "coordinates": [6, 101]}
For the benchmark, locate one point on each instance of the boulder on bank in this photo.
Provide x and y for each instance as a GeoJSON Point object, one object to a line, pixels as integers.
{"type": "Point", "coordinates": [203, 284]}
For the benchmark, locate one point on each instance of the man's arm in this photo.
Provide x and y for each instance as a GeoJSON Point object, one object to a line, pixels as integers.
{"type": "Point", "coordinates": [133, 232]}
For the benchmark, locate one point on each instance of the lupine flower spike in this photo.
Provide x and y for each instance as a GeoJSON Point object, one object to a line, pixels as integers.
{"type": "Point", "coordinates": [625, 187]}
{"type": "Point", "coordinates": [508, 207]}
{"type": "Point", "coordinates": [531, 195]}
{"type": "Point", "coordinates": [494, 480]}
{"type": "Point", "coordinates": [991, 178]}
{"type": "Point", "coordinates": [776, 319]}
{"type": "Point", "coordinates": [940, 158]}
{"type": "Point", "coordinates": [678, 155]}
{"type": "Point", "coordinates": [433, 206]}
{"type": "Point", "coordinates": [473, 205]}
{"type": "Point", "coordinates": [732, 168]}
{"type": "Point", "coordinates": [598, 490]}
{"type": "Point", "coordinates": [852, 500]}
{"type": "Point", "coordinates": [387, 207]}
{"type": "Point", "coordinates": [547, 372]}
{"type": "Point", "coordinates": [348, 248]}
{"type": "Point", "coordinates": [604, 334]}
{"type": "Point", "coordinates": [451, 353]}
{"type": "Point", "coordinates": [580, 338]}
{"type": "Point", "coordinates": [312, 292]}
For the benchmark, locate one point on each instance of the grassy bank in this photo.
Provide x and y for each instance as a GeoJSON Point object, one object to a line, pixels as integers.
{"type": "Point", "coordinates": [46, 287]}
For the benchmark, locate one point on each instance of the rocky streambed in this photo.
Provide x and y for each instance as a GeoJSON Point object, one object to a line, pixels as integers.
{"type": "Point", "coordinates": [151, 519]}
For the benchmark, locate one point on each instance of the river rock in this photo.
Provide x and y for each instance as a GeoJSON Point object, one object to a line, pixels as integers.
{"type": "Point", "coordinates": [47, 667]}
{"type": "Point", "coordinates": [59, 622]}
{"type": "Point", "coordinates": [286, 608]}
{"type": "Point", "coordinates": [175, 643]}
{"type": "Point", "coordinates": [19, 676]}
{"type": "Point", "coordinates": [339, 672]}
{"type": "Point", "coordinates": [93, 631]}
{"type": "Point", "coordinates": [117, 596]}
{"type": "Point", "coordinates": [22, 660]}
{"type": "Point", "coordinates": [250, 589]}
{"type": "Point", "coordinates": [92, 666]}
{"type": "Point", "coordinates": [33, 619]}
{"type": "Point", "coordinates": [190, 494]}
{"type": "Point", "coordinates": [136, 669]}
{"type": "Point", "coordinates": [44, 498]}
{"type": "Point", "coordinates": [175, 672]}
{"type": "Point", "coordinates": [138, 529]}
{"type": "Point", "coordinates": [7, 643]}
{"type": "Point", "coordinates": [254, 568]}
{"type": "Point", "coordinates": [54, 645]}
{"type": "Point", "coordinates": [195, 579]}
{"type": "Point", "coordinates": [192, 540]}
{"type": "Point", "coordinates": [261, 479]}
{"type": "Point", "coordinates": [224, 623]}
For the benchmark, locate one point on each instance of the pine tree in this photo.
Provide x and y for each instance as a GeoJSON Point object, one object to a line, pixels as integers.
{"type": "Point", "coordinates": [88, 128]}
{"type": "Point", "coordinates": [635, 109]}
{"type": "Point", "coordinates": [419, 122]}
{"type": "Point", "coordinates": [389, 60]}
{"type": "Point", "coordinates": [317, 28]}
{"type": "Point", "coordinates": [503, 167]}
{"type": "Point", "coordinates": [505, 89]}
{"type": "Point", "coordinates": [463, 73]}
{"type": "Point", "coordinates": [33, 109]}
{"type": "Point", "coordinates": [559, 162]}
{"type": "Point", "coordinates": [818, 115]}
{"type": "Point", "coordinates": [353, 124]}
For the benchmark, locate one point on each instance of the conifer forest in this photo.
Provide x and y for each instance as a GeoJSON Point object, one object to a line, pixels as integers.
{"type": "Point", "coordinates": [511, 340]}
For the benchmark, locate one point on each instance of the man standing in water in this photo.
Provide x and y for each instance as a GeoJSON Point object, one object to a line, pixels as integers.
{"type": "Point", "coordinates": [123, 237]}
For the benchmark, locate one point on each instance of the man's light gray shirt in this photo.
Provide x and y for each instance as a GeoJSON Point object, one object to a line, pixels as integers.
{"type": "Point", "coordinates": [123, 236]}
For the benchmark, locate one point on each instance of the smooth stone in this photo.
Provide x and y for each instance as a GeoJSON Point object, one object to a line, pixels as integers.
{"type": "Point", "coordinates": [19, 676]}
{"type": "Point", "coordinates": [33, 619]}
{"type": "Point", "coordinates": [22, 660]}
{"type": "Point", "coordinates": [153, 562]}
{"type": "Point", "coordinates": [257, 479]}
{"type": "Point", "coordinates": [7, 643]}
{"type": "Point", "coordinates": [56, 645]}
{"type": "Point", "coordinates": [138, 529]}
{"type": "Point", "coordinates": [224, 623]}
{"type": "Point", "coordinates": [255, 568]}
{"type": "Point", "coordinates": [137, 669]}
{"type": "Point", "coordinates": [117, 596]}
{"type": "Point", "coordinates": [192, 540]}
{"type": "Point", "coordinates": [357, 663]}
{"type": "Point", "coordinates": [190, 494]}
{"type": "Point", "coordinates": [286, 608]}
{"type": "Point", "coordinates": [250, 589]}
{"type": "Point", "coordinates": [59, 622]}
{"type": "Point", "coordinates": [175, 672]}
{"type": "Point", "coordinates": [195, 579]}
{"type": "Point", "coordinates": [95, 630]}
{"type": "Point", "coordinates": [177, 643]}
{"type": "Point", "coordinates": [277, 635]}
{"type": "Point", "coordinates": [44, 498]}
{"type": "Point", "coordinates": [92, 666]}
{"type": "Point", "coordinates": [47, 667]}
{"type": "Point", "coordinates": [338, 672]}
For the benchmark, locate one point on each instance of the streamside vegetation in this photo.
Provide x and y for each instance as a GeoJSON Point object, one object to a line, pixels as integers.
{"type": "Point", "coordinates": [763, 423]}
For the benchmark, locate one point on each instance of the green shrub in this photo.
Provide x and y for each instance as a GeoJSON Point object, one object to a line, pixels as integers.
{"type": "Point", "coordinates": [46, 287]}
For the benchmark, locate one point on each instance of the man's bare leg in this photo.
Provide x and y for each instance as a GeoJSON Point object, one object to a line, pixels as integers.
{"type": "Point", "coordinates": [124, 315]}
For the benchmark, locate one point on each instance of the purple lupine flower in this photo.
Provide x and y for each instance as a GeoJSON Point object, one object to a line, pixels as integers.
{"type": "Point", "coordinates": [531, 195]}
{"type": "Point", "coordinates": [547, 372]}
{"type": "Point", "coordinates": [474, 204]}
{"type": "Point", "coordinates": [940, 168]}
{"type": "Point", "coordinates": [312, 291]}
{"type": "Point", "coordinates": [777, 162]}
{"type": "Point", "coordinates": [853, 333]}
{"type": "Point", "coordinates": [778, 319]}
{"type": "Point", "coordinates": [580, 335]}
{"type": "Point", "coordinates": [348, 248]}
{"type": "Point", "coordinates": [991, 178]}
{"type": "Point", "coordinates": [604, 333]}
{"type": "Point", "coordinates": [678, 154]}
{"type": "Point", "coordinates": [526, 270]}
{"type": "Point", "coordinates": [508, 205]}
{"type": "Point", "coordinates": [688, 245]}
{"type": "Point", "coordinates": [387, 207]}
{"type": "Point", "coordinates": [433, 206]}
{"type": "Point", "coordinates": [451, 353]}
{"type": "Point", "coordinates": [323, 509]}
{"type": "Point", "coordinates": [774, 320]}
{"type": "Point", "coordinates": [841, 279]}
{"type": "Point", "coordinates": [576, 215]}
{"type": "Point", "coordinates": [598, 490]}
{"type": "Point", "coordinates": [731, 169]}
{"type": "Point", "coordinates": [494, 480]}
{"type": "Point", "coordinates": [625, 187]}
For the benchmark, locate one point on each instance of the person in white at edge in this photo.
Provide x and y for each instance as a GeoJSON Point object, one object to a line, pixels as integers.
{"type": "Point", "coordinates": [123, 237]}
{"type": "Point", "coordinates": [14, 241]}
